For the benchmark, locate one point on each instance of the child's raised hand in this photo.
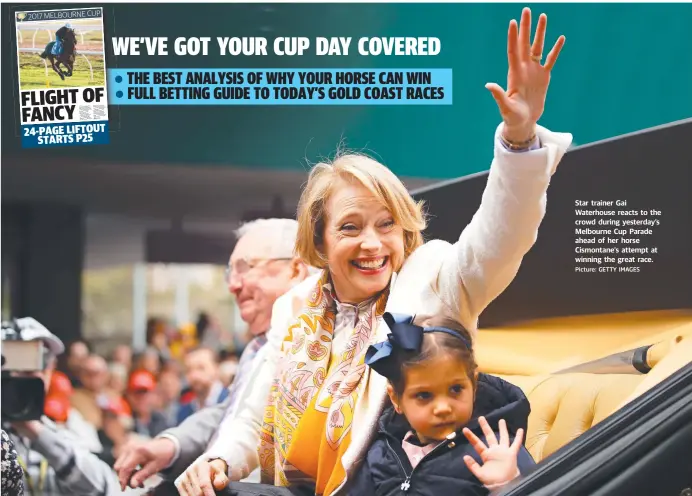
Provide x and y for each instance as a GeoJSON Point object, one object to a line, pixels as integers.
{"type": "Point", "coordinates": [499, 458]}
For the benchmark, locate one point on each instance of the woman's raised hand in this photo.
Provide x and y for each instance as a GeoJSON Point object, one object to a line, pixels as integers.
{"type": "Point", "coordinates": [522, 104]}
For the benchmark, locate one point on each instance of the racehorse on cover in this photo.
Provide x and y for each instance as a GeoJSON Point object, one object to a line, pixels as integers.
{"type": "Point", "coordinates": [62, 51]}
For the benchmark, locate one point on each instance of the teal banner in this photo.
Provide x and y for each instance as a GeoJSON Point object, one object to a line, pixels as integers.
{"type": "Point", "coordinates": [624, 67]}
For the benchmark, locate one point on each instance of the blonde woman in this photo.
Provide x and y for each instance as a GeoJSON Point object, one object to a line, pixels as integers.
{"type": "Point", "coordinates": [312, 408]}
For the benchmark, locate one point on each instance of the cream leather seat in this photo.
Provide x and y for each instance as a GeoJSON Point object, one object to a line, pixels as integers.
{"type": "Point", "coordinates": [564, 406]}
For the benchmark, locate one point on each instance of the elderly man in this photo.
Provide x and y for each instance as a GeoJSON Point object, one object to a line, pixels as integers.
{"type": "Point", "coordinates": [261, 268]}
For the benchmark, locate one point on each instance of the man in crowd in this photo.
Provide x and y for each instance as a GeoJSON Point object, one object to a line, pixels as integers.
{"type": "Point", "coordinates": [141, 396]}
{"type": "Point", "coordinates": [261, 268]}
{"type": "Point", "coordinates": [77, 353]}
{"type": "Point", "coordinates": [90, 398]}
{"type": "Point", "coordinates": [202, 374]}
{"type": "Point", "coordinates": [170, 387]}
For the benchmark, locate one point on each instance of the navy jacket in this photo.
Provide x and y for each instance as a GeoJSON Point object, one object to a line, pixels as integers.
{"type": "Point", "coordinates": [387, 471]}
{"type": "Point", "coordinates": [188, 409]}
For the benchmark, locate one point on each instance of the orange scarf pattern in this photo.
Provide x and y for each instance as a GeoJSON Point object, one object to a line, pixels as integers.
{"type": "Point", "coordinates": [307, 423]}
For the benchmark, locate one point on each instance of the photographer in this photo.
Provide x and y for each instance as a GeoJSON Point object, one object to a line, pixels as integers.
{"type": "Point", "coordinates": [55, 461]}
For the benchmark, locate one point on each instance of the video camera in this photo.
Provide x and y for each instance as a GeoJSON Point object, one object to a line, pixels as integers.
{"type": "Point", "coordinates": [23, 352]}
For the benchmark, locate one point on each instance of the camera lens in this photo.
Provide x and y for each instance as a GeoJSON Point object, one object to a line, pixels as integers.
{"type": "Point", "coordinates": [22, 398]}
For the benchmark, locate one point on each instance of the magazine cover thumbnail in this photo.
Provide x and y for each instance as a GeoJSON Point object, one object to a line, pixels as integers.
{"type": "Point", "coordinates": [61, 74]}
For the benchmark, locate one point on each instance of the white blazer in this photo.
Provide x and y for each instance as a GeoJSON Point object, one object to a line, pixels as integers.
{"type": "Point", "coordinates": [458, 280]}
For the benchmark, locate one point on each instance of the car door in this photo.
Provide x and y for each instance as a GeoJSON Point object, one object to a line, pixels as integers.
{"type": "Point", "coordinates": [644, 449]}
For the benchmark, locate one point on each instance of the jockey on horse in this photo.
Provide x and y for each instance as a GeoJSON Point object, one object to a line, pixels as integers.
{"type": "Point", "coordinates": [60, 39]}
{"type": "Point", "coordinates": [61, 51]}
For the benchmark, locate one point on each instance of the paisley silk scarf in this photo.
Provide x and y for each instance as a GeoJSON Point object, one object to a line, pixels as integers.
{"type": "Point", "coordinates": [308, 419]}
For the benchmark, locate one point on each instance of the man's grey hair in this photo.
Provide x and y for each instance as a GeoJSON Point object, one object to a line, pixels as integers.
{"type": "Point", "coordinates": [280, 233]}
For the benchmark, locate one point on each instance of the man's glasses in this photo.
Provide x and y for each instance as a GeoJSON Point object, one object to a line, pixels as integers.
{"type": "Point", "coordinates": [242, 266]}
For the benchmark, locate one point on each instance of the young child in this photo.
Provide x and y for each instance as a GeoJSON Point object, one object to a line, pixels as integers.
{"type": "Point", "coordinates": [431, 440]}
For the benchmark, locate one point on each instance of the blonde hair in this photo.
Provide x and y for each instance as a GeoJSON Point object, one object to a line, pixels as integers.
{"type": "Point", "coordinates": [378, 179]}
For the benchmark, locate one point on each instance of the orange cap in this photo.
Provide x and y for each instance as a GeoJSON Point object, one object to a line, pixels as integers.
{"type": "Point", "coordinates": [118, 406]}
{"type": "Point", "coordinates": [60, 384]}
{"type": "Point", "coordinates": [57, 408]}
{"type": "Point", "coordinates": [141, 380]}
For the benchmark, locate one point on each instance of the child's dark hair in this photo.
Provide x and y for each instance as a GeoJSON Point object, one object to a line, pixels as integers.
{"type": "Point", "coordinates": [435, 344]}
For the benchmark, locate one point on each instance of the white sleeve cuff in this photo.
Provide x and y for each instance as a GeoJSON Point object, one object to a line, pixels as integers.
{"type": "Point", "coordinates": [176, 443]}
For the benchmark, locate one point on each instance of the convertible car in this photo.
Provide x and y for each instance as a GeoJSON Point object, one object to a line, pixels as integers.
{"type": "Point", "coordinates": [606, 433]}
{"type": "Point", "coordinates": [605, 357]}
{"type": "Point", "coordinates": [619, 425]}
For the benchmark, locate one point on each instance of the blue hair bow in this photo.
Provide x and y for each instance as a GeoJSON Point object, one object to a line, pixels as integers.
{"type": "Point", "coordinates": [405, 336]}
